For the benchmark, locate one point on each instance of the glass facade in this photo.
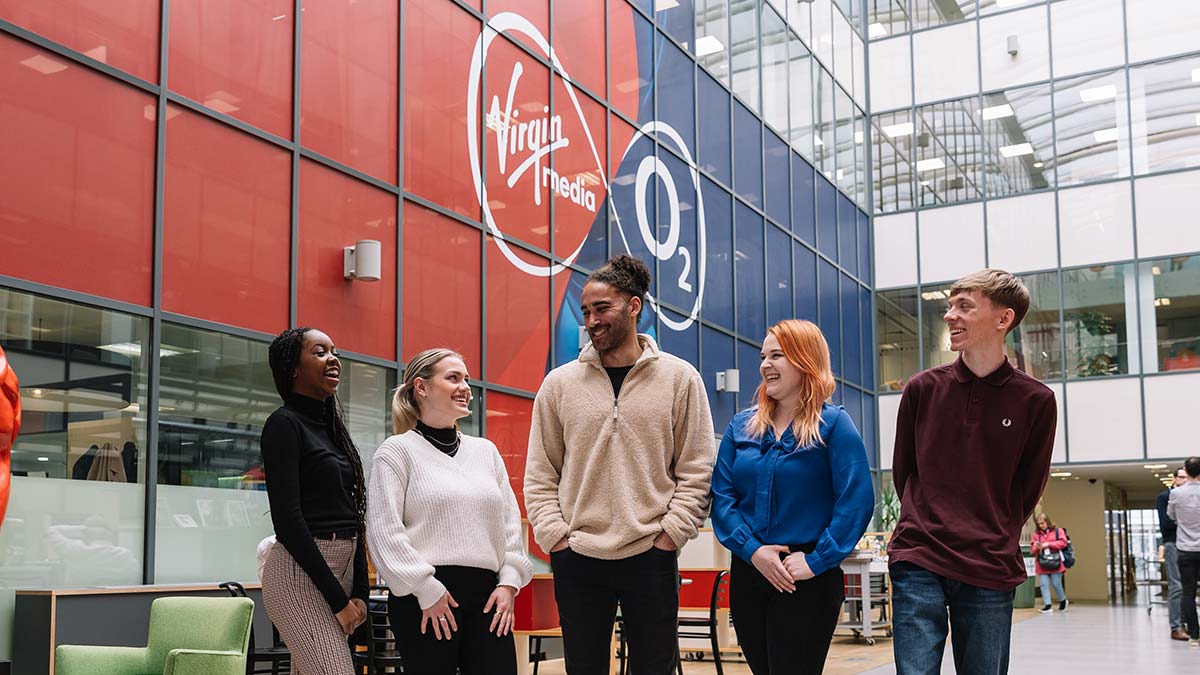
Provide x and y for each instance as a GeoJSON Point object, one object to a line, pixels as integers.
{"type": "Point", "coordinates": [218, 162]}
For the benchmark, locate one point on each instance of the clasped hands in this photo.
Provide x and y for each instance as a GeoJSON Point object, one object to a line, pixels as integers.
{"type": "Point", "coordinates": [782, 573]}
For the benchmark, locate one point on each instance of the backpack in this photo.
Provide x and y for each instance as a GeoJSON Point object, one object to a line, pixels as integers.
{"type": "Point", "coordinates": [1068, 553]}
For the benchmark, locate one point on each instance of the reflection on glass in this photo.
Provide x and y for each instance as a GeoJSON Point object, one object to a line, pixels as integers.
{"type": "Point", "coordinates": [774, 69]}
{"type": "Point", "coordinates": [860, 157]}
{"type": "Point", "coordinates": [712, 38]}
{"type": "Point", "coordinates": [675, 17]}
{"type": "Point", "coordinates": [948, 152]}
{"type": "Point", "coordinates": [936, 336]}
{"type": "Point", "coordinates": [1091, 128]}
{"type": "Point", "coordinates": [1035, 345]}
{"type": "Point", "coordinates": [83, 388]}
{"type": "Point", "coordinates": [927, 13]}
{"type": "Point", "coordinates": [1097, 304]}
{"type": "Point", "coordinates": [843, 173]}
{"type": "Point", "coordinates": [744, 52]}
{"type": "Point", "coordinates": [893, 135]}
{"type": "Point", "coordinates": [886, 17]}
{"type": "Point", "coordinates": [824, 123]}
{"type": "Point", "coordinates": [1173, 313]}
{"type": "Point", "coordinates": [896, 333]}
{"type": "Point", "coordinates": [800, 92]}
{"type": "Point", "coordinates": [1020, 140]}
{"type": "Point", "coordinates": [1166, 115]}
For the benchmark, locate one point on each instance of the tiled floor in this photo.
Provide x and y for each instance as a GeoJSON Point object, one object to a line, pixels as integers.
{"type": "Point", "coordinates": [1091, 639]}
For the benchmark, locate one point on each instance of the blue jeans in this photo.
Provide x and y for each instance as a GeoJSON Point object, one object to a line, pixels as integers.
{"type": "Point", "coordinates": [980, 620]}
{"type": "Point", "coordinates": [1046, 580]}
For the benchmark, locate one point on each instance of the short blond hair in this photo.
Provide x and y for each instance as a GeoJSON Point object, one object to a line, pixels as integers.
{"type": "Point", "coordinates": [1002, 288]}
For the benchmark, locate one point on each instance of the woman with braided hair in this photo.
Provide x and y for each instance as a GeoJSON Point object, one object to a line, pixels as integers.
{"type": "Point", "coordinates": [314, 580]}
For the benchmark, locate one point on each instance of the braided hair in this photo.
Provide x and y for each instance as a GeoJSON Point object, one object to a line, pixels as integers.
{"type": "Point", "coordinates": [627, 274]}
{"type": "Point", "coordinates": [283, 356]}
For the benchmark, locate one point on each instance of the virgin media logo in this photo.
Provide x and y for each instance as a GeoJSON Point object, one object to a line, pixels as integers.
{"type": "Point", "coordinates": [524, 168]}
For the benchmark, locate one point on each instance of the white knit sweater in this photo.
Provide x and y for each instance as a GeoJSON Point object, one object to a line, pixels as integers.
{"type": "Point", "coordinates": [426, 508]}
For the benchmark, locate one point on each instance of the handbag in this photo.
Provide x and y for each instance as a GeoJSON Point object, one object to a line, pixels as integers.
{"type": "Point", "coordinates": [1049, 559]}
{"type": "Point", "coordinates": [1068, 553]}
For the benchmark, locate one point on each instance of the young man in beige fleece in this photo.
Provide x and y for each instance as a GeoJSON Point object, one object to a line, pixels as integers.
{"type": "Point", "coordinates": [617, 479]}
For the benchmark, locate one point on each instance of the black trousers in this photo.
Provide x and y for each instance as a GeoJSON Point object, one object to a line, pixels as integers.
{"type": "Point", "coordinates": [784, 633]}
{"type": "Point", "coordinates": [1189, 572]}
{"type": "Point", "coordinates": [588, 590]}
{"type": "Point", "coordinates": [472, 649]}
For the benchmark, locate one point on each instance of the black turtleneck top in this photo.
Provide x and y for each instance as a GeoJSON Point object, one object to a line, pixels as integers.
{"type": "Point", "coordinates": [310, 486]}
{"type": "Point", "coordinates": [445, 440]}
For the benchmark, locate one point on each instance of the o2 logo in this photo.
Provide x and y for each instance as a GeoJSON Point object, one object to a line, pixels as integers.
{"type": "Point", "coordinates": [533, 154]}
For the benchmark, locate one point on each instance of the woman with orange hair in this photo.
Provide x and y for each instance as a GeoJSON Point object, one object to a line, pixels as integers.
{"type": "Point", "coordinates": [792, 495]}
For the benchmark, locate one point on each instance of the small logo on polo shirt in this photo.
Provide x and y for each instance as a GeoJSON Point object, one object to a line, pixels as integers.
{"type": "Point", "coordinates": [1006, 422]}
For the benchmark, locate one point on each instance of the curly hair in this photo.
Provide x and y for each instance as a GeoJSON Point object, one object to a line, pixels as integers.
{"type": "Point", "coordinates": [283, 356]}
{"type": "Point", "coordinates": [627, 274]}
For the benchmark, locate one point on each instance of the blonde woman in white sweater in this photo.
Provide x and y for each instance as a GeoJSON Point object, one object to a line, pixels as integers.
{"type": "Point", "coordinates": [444, 529]}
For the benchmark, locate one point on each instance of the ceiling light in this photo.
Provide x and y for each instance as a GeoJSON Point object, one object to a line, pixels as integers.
{"type": "Point", "coordinates": [1038, 165]}
{"type": "Point", "coordinates": [1162, 302]}
{"type": "Point", "coordinates": [1195, 74]}
{"type": "Point", "coordinates": [664, 5]}
{"type": "Point", "coordinates": [997, 111]}
{"type": "Point", "coordinates": [930, 164]}
{"type": "Point", "coordinates": [1100, 93]}
{"type": "Point", "coordinates": [925, 183]}
{"type": "Point", "coordinates": [708, 45]}
{"type": "Point", "coordinates": [840, 174]}
{"type": "Point", "coordinates": [279, 18]}
{"type": "Point", "coordinates": [1060, 474]}
{"type": "Point", "coordinates": [877, 30]}
{"type": "Point", "coordinates": [1198, 119]}
{"type": "Point", "coordinates": [934, 295]}
{"type": "Point", "coordinates": [1154, 466]}
{"type": "Point", "coordinates": [858, 138]}
{"type": "Point", "coordinates": [134, 350]}
{"type": "Point", "coordinates": [1106, 135]}
{"type": "Point", "coordinates": [1009, 3]}
{"type": "Point", "coordinates": [1156, 270]}
{"type": "Point", "coordinates": [817, 140]}
{"type": "Point", "coordinates": [902, 129]}
{"type": "Point", "coordinates": [44, 64]}
{"type": "Point", "coordinates": [1016, 150]}
{"type": "Point", "coordinates": [43, 459]}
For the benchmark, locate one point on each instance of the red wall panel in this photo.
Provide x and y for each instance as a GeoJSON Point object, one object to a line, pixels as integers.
{"type": "Point", "coordinates": [226, 231]}
{"type": "Point", "coordinates": [122, 34]}
{"type": "Point", "coordinates": [77, 176]}
{"type": "Point", "coordinates": [508, 422]}
{"type": "Point", "coordinates": [335, 212]}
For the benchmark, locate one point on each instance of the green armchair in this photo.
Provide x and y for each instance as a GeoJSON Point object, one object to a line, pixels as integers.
{"type": "Point", "coordinates": [188, 636]}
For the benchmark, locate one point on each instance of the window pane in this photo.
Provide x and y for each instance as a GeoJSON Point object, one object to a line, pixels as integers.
{"type": "Point", "coordinates": [1098, 303]}
{"type": "Point", "coordinates": [1014, 48]}
{"type": "Point", "coordinates": [1035, 345]}
{"type": "Point", "coordinates": [800, 92]}
{"type": "Point", "coordinates": [934, 332]}
{"type": "Point", "coordinates": [83, 389]}
{"type": "Point", "coordinates": [804, 223]}
{"type": "Point", "coordinates": [823, 140]}
{"type": "Point", "coordinates": [1092, 128]}
{"type": "Point", "coordinates": [439, 40]}
{"type": "Point", "coordinates": [441, 269]}
{"type": "Point", "coordinates": [676, 17]}
{"type": "Point", "coordinates": [774, 70]}
{"type": "Point", "coordinates": [508, 420]}
{"type": "Point", "coordinates": [1019, 137]}
{"type": "Point", "coordinates": [779, 275]}
{"type": "Point", "coordinates": [518, 334]}
{"type": "Point", "coordinates": [804, 273]}
{"type": "Point", "coordinates": [714, 129]}
{"type": "Point", "coordinates": [851, 332]}
{"type": "Point", "coordinates": [830, 320]}
{"type": "Point", "coordinates": [1089, 35]}
{"type": "Point", "coordinates": [1160, 28]}
{"type": "Point", "coordinates": [682, 343]}
{"type": "Point", "coordinates": [712, 37]}
{"type": "Point", "coordinates": [747, 155]}
{"type": "Point", "coordinates": [718, 285]}
{"type": "Point", "coordinates": [77, 166]}
{"type": "Point", "coordinates": [677, 271]}
{"type": "Point", "coordinates": [1175, 309]}
{"type": "Point", "coordinates": [844, 175]}
{"type": "Point", "coordinates": [949, 152]}
{"type": "Point", "coordinates": [946, 63]}
{"type": "Point", "coordinates": [717, 354]}
{"type": "Point", "coordinates": [336, 211]}
{"type": "Point", "coordinates": [676, 94]}
{"type": "Point", "coordinates": [827, 233]}
{"type": "Point", "coordinates": [891, 74]}
{"type": "Point", "coordinates": [896, 330]}
{"type": "Point", "coordinates": [894, 136]}
{"type": "Point", "coordinates": [579, 204]}
{"type": "Point", "coordinates": [122, 34]}
{"type": "Point", "coordinates": [775, 159]}
{"type": "Point", "coordinates": [226, 207]}
{"type": "Point", "coordinates": [348, 83]}
{"type": "Point", "coordinates": [1166, 115]}
{"type": "Point", "coordinates": [236, 58]}
{"type": "Point", "coordinates": [886, 17]}
{"type": "Point", "coordinates": [744, 50]}
{"type": "Point", "coordinates": [631, 79]}
{"type": "Point", "coordinates": [935, 12]}
{"type": "Point", "coordinates": [847, 235]}
{"type": "Point", "coordinates": [751, 302]}
{"type": "Point", "coordinates": [575, 43]}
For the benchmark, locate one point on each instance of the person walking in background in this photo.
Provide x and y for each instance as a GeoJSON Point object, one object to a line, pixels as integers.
{"type": "Point", "coordinates": [1048, 561]}
{"type": "Point", "coordinates": [792, 495]}
{"type": "Point", "coordinates": [1184, 508]}
{"type": "Point", "coordinates": [314, 580]}
{"type": "Point", "coordinates": [972, 456]}
{"type": "Point", "coordinates": [445, 529]}
{"type": "Point", "coordinates": [1167, 528]}
{"type": "Point", "coordinates": [617, 479]}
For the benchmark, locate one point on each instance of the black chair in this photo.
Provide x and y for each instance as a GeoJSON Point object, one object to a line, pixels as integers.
{"type": "Point", "coordinates": [277, 658]}
{"type": "Point", "coordinates": [381, 655]}
{"type": "Point", "coordinates": [689, 627]}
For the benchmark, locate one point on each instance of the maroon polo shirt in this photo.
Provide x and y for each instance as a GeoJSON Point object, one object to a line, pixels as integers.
{"type": "Point", "coordinates": [972, 456]}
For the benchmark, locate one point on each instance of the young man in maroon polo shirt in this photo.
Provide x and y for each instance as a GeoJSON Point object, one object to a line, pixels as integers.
{"type": "Point", "coordinates": [972, 455]}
